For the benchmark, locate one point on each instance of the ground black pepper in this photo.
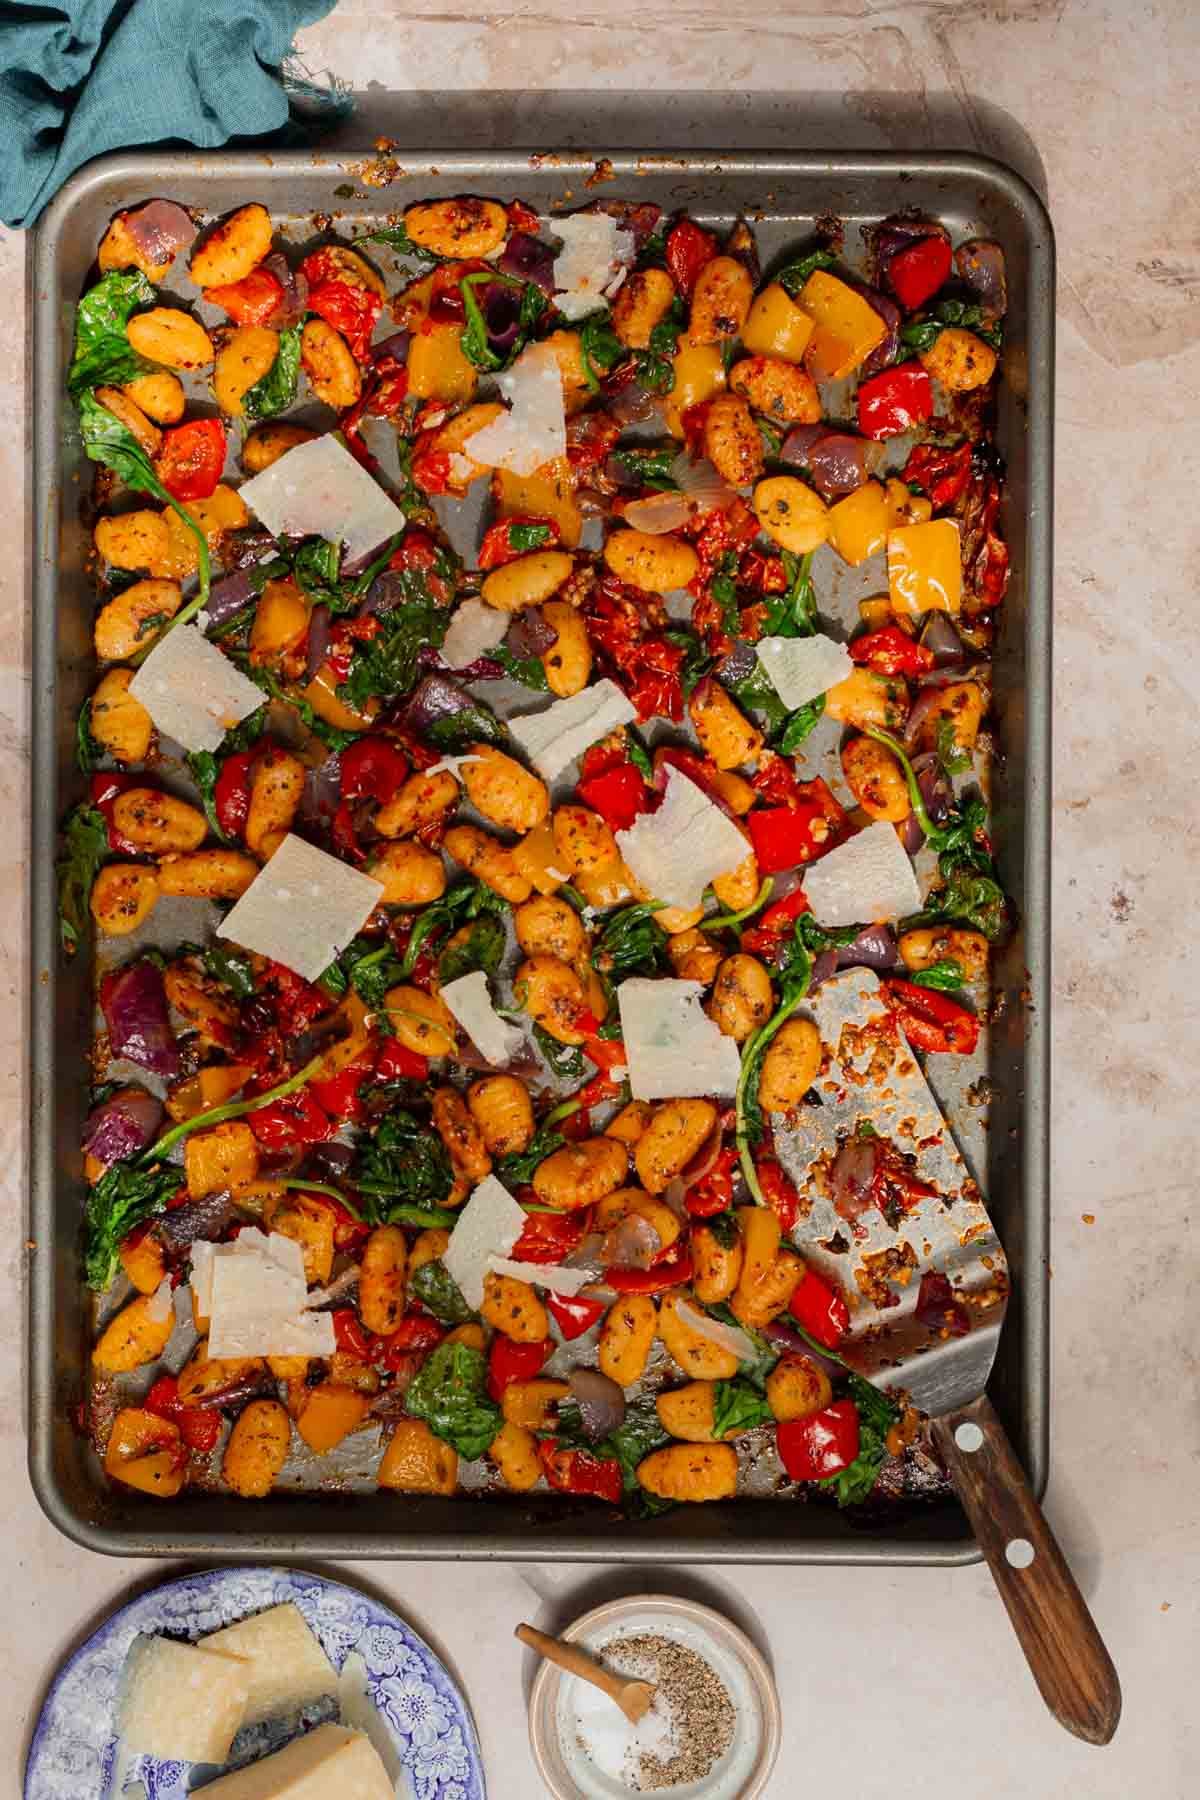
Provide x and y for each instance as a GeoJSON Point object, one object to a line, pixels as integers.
{"type": "Point", "coordinates": [691, 1694]}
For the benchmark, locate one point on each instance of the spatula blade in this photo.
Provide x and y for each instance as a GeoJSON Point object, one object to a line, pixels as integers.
{"type": "Point", "coordinates": [873, 1076]}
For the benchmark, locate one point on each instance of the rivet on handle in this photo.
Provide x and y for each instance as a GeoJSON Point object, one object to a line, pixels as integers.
{"type": "Point", "coordinates": [1019, 1552]}
{"type": "Point", "coordinates": [968, 1436]}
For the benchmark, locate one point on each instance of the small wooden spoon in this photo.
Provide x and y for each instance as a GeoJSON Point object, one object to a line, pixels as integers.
{"type": "Point", "coordinates": [634, 1698]}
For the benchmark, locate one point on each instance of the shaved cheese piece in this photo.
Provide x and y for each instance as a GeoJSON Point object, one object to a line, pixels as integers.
{"type": "Point", "coordinates": [257, 1299]}
{"type": "Point", "coordinates": [285, 1666]}
{"type": "Point", "coordinates": [471, 1003]}
{"type": "Point", "coordinates": [592, 263]}
{"type": "Point", "coordinates": [179, 1704]}
{"type": "Point", "coordinates": [675, 852]}
{"type": "Point", "coordinates": [320, 490]}
{"type": "Point", "coordinates": [331, 1760]}
{"type": "Point", "coordinates": [488, 1225]}
{"type": "Point", "coordinates": [357, 1709]}
{"type": "Point", "coordinates": [302, 909]}
{"type": "Point", "coordinates": [192, 691]}
{"type": "Point", "coordinates": [553, 738]}
{"type": "Point", "coordinates": [535, 431]}
{"type": "Point", "coordinates": [450, 765]}
{"type": "Point", "coordinates": [864, 881]}
{"type": "Point", "coordinates": [475, 629]}
{"type": "Point", "coordinates": [674, 1050]}
{"type": "Point", "coordinates": [553, 1276]}
{"type": "Point", "coordinates": [161, 1303]}
{"type": "Point", "coordinates": [801, 668]}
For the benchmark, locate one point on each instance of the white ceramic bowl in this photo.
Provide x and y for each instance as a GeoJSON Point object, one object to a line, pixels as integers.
{"type": "Point", "coordinates": [557, 1699]}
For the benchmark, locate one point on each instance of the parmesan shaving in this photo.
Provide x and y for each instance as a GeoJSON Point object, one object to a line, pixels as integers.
{"type": "Point", "coordinates": [865, 881]}
{"type": "Point", "coordinates": [592, 263]}
{"type": "Point", "coordinates": [801, 668]}
{"type": "Point", "coordinates": [320, 490]}
{"type": "Point", "coordinates": [535, 430]}
{"type": "Point", "coordinates": [673, 1049]}
{"type": "Point", "coordinates": [475, 629]}
{"type": "Point", "coordinates": [471, 1004]}
{"type": "Point", "coordinates": [676, 852]}
{"type": "Point", "coordinates": [192, 691]}
{"type": "Point", "coordinates": [558, 735]}
{"type": "Point", "coordinates": [302, 909]}
{"type": "Point", "coordinates": [554, 1277]}
{"type": "Point", "coordinates": [488, 1225]}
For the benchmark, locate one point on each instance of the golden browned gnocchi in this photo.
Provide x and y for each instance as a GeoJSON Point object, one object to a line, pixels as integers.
{"type": "Point", "coordinates": [257, 1449]}
{"type": "Point", "coordinates": [546, 926]}
{"type": "Point", "coordinates": [410, 874]}
{"type": "Point", "coordinates": [875, 779]}
{"type": "Point", "coordinates": [416, 1462]}
{"type": "Point", "coordinates": [465, 227]}
{"type": "Point", "coordinates": [742, 998]}
{"type": "Point", "coordinates": [790, 1066]}
{"type": "Point", "coordinates": [627, 1337]}
{"type": "Point", "coordinates": [157, 823]}
{"type": "Point", "coordinates": [527, 580]}
{"type": "Point", "coordinates": [245, 356]}
{"type": "Point", "coordinates": [691, 1472]}
{"type": "Point", "coordinates": [720, 301]}
{"type": "Point", "coordinates": [118, 721]}
{"type": "Point", "coordinates": [512, 1307]}
{"type": "Point", "coordinates": [501, 1108]}
{"type": "Point", "coordinates": [732, 441]}
{"type": "Point", "coordinates": [489, 859]}
{"type": "Point", "coordinates": [568, 663]}
{"type": "Point", "coordinates": [506, 794]}
{"type": "Point", "coordinates": [136, 1336]}
{"type": "Point", "coordinates": [381, 1280]}
{"type": "Point", "coordinates": [207, 874]}
{"type": "Point", "coordinates": [234, 247]}
{"type": "Point", "coordinates": [166, 335]}
{"type": "Point", "coordinates": [726, 734]}
{"type": "Point", "coordinates": [460, 1134]}
{"type": "Point", "coordinates": [267, 443]}
{"type": "Point", "coordinates": [123, 895]}
{"type": "Point", "coordinates": [672, 1138]}
{"type": "Point", "coordinates": [658, 565]}
{"type": "Point", "coordinates": [580, 1174]}
{"type": "Point", "coordinates": [328, 361]}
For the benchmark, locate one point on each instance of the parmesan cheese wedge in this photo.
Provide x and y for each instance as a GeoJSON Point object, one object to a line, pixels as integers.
{"type": "Point", "coordinates": [675, 852]}
{"type": "Point", "coordinates": [471, 1004]}
{"type": "Point", "coordinates": [320, 490]}
{"type": "Point", "coordinates": [801, 668]}
{"type": "Point", "coordinates": [864, 881]}
{"type": "Point", "coordinates": [256, 1300]}
{"type": "Point", "coordinates": [192, 691]}
{"type": "Point", "coordinates": [303, 908]}
{"type": "Point", "coordinates": [552, 1276]}
{"type": "Point", "coordinates": [179, 1704]}
{"type": "Point", "coordinates": [592, 263]}
{"type": "Point", "coordinates": [535, 430]}
{"type": "Point", "coordinates": [488, 1225]}
{"type": "Point", "coordinates": [285, 1666]}
{"type": "Point", "coordinates": [330, 1763]}
{"type": "Point", "coordinates": [674, 1050]}
{"type": "Point", "coordinates": [555, 737]}
{"type": "Point", "coordinates": [475, 629]}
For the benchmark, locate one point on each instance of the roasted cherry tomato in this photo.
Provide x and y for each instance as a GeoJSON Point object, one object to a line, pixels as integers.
{"type": "Point", "coordinates": [689, 247]}
{"type": "Point", "coordinates": [932, 1021]}
{"type": "Point", "coordinates": [915, 275]}
{"type": "Point", "coordinates": [510, 538]}
{"type": "Point", "coordinates": [254, 300]}
{"type": "Point", "coordinates": [191, 459]}
{"type": "Point", "coordinates": [231, 792]}
{"type": "Point", "coordinates": [199, 1426]}
{"type": "Point", "coordinates": [890, 651]}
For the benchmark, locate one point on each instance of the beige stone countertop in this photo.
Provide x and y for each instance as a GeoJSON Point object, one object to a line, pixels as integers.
{"type": "Point", "coordinates": [898, 1682]}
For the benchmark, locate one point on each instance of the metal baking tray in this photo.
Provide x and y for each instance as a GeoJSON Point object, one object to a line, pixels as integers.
{"type": "Point", "coordinates": [783, 195]}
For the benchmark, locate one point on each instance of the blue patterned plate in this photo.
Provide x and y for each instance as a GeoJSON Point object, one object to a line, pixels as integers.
{"type": "Point", "coordinates": [74, 1755]}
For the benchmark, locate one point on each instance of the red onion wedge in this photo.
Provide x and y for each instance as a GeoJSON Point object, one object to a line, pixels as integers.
{"type": "Point", "coordinates": [726, 1337]}
{"type": "Point", "coordinates": [531, 633]}
{"type": "Point", "coordinates": [979, 264]}
{"type": "Point", "coordinates": [134, 1002]}
{"type": "Point", "coordinates": [791, 1342]}
{"type": "Point", "coordinates": [122, 1125]}
{"type": "Point", "coordinates": [939, 636]}
{"type": "Point", "coordinates": [658, 513]}
{"type": "Point", "coordinates": [632, 1243]}
{"type": "Point", "coordinates": [294, 302]}
{"type": "Point", "coordinates": [601, 1402]}
{"type": "Point", "coordinates": [700, 483]}
{"type": "Point", "coordinates": [853, 1176]}
{"type": "Point", "coordinates": [160, 229]}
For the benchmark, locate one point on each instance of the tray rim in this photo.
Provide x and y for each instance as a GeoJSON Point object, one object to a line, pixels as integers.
{"type": "Point", "coordinates": [45, 404]}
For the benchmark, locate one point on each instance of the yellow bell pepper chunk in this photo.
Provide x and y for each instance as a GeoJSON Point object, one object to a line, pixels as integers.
{"type": "Point", "coordinates": [847, 329]}
{"type": "Point", "coordinates": [925, 568]}
{"type": "Point", "coordinates": [437, 368]}
{"type": "Point", "coordinates": [699, 374]}
{"type": "Point", "coordinates": [776, 326]}
{"type": "Point", "coordinates": [905, 507]}
{"type": "Point", "coordinates": [858, 525]}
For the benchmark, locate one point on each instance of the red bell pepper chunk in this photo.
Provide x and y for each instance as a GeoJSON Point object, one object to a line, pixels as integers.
{"type": "Point", "coordinates": [915, 275]}
{"type": "Point", "coordinates": [619, 795]}
{"type": "Point", "coordinates": [351, 1335]}
{"type": "Point", "coordinates": [549, 1237]}
{"type": "Point", "coordinates": [819, 1307]}
{"type": "Point", "coordinates": [417, 1330]}
{"type": "Point", "coordinates": [782, 915]}
{"type": "Point", "coordinates": [297, 1002]}
{"type": "Point", "coordinates": [523, 218]}
{"type": "Point", "coordinates": [824, 1444]}
{"type": "Point", "coordinates": [532, 534]}
{"type": "Point", "coordinates": [199, 1426]}
{"type": "Point", "coordinates": [778, 1192]}
{"type": "Point", "coordinates": [941, 474]}
{"type": "Point", "coordinates": [573, 1314]}
{"type": "Point", "coordinates": [510, 1361]}
{"type": "Point", "coordinates": [104, 790]}
{"type": "Point", "coordinates": [231, 792]}
{"type": "Point", "coordinates": [783, 836]}
{"type": "Point", "coordinates": [372, 768]}
{"type": "Point", "coordinates": [578, 1472]}
{"type": "Point", "coordinates": [395, 1063]}
{"type": "Point", "coordinates": [251, 301]}
{"type": "Point", "coordinates": [339, 1096]}
{"type": "Point", "coordinates": [932, 1021]}
{"type": "Point", "coordinates": [651, 1281]}
{"type": "Point", "coordinates": [191, 458]}
{"type": "Point", "coordinates": [894, 401]}
{"type": "Point", "coordinates": [891, 651]}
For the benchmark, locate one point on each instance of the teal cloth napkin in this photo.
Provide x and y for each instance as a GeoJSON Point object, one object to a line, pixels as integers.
{"type": "Point", "coordinates": [81, 77]}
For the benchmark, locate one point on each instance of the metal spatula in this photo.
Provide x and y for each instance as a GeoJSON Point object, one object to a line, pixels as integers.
{"type": "Point", "coordinates": [874, 1077]}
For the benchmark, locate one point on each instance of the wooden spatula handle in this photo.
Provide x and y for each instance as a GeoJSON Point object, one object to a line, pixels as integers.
{"type": "Point", "coordinates": [1062, 1646]}
{"type": "Point", "coordinates": [571, 1658]}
